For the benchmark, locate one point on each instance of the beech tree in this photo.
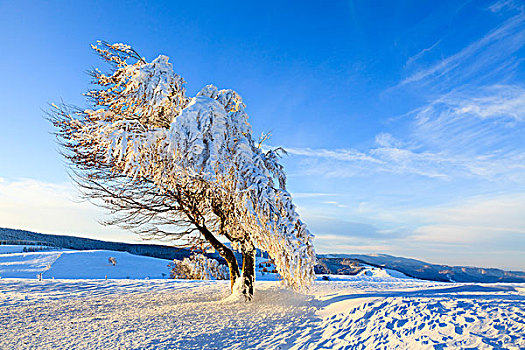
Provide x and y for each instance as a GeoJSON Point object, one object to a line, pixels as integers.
{"type": "Point", "coordinates": [185, 169]}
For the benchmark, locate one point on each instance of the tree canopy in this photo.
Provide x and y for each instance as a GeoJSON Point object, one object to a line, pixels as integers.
{"type": "Point", "coordinates": [187, 169]}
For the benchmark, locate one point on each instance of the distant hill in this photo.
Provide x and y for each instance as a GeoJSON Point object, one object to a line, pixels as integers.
{"type": "Point", "coordinates": [79, 264]}
{"type": "Point", "coordinates": [420, 269]}
{"type": "Point", "coordinates": [337, 264]}
{"type": "Point", "coordinates": [78, 243]}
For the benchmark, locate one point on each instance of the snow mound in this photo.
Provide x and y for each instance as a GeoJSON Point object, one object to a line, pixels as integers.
{"type": "Point", "coordinates": [378, 272]}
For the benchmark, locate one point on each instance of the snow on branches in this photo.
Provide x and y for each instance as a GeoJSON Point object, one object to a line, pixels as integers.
{"type": "Point", "coordinates": [198, 267]}
{"type": "Point", "coordinates": [148, 92]}
{"type": "Point", "coordinates": [146, 128]}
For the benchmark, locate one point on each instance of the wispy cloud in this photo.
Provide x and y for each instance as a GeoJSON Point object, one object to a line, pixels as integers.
{"type": "Point", "coordinates": [467, 133]}
{"type": "Point", "coordinates": [476, 221]}
{"type": "Point", "coordinates": [338, 163]}
{"type": "Point", "coordinates": [406, 161]}
{"type": "Point", "coordinates": [493, 54]}
{"type": "Point", "coordinates": [478, 130]}
{"type": "Point", "coordinates": [326, 225]}
{"type": "Point", "coordinates": [505, 103]}
{"type": "Point", "coordinates": [473, 220]}
{"type": "Point", "coordinates": [506, 4]}
{"type": "Point", "coordinates": [338, 154]}
{"type": "Point", "coordinates": [448, 175]}
{"type": "Point", "coordinates": [421, 53]}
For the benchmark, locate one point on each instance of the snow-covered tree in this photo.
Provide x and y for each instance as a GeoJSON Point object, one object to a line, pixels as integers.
{"type": "Point", "coordinates": [198, 267]}
{"type": "Point", "coordinates": [160, 160]}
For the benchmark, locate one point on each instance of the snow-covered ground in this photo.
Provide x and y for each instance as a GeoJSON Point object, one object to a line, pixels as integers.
{"type": "Point", "coordinates": [78, 264]}
{"type": "Point", "coordinates": [363, 312]}
{"type": "Point", "coordinates": [375, 310]}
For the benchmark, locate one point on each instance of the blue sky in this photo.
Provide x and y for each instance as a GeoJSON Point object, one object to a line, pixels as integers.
{"type": "Point", "coordinates": [404, 121]}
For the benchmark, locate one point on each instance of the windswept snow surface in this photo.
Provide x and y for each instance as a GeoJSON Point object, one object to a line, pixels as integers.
{"type": "Point", "coordinates": [357, 313]}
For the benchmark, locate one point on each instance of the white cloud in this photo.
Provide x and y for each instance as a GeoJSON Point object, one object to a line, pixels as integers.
{"type": "Point", "coordinates": [483, 115]}
{"type": "Point", "coordinates": [466, 139]}
{"type": "Point", "coordinates": [336, 246]}
{"type": "Point", "coordinates": [501, 102]}
{"type": "Point", "coordinates": [476, 222]}
{"type": "Point", "coordinates": [494, 215]}
{"type": "Point", "coordinates": [473, 220]}
{"type": "Point", "coordinates": [387, 140]}
{"type": "Point", "coordinates": [351, 162]}
{"type": "Point", "coordinates": [335, 203]}
{"type": "Point", "coordinates": [52, 208]}
{"type": "Point", "coordinates": [338, 243]}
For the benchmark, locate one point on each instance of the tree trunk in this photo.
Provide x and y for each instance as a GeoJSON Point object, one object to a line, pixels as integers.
{"type": "Point", "coordinates": [233, 266]}
{"type": "Point", "coordinates": [225, 252]}
{"type": "Point", "coordinates": [248, 270]}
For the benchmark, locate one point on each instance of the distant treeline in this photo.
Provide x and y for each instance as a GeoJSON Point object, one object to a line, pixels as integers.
{"type": "Point", "coordinates": [78, 243]}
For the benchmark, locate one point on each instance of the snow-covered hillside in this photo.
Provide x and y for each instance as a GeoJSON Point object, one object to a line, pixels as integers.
{"type": "Point", "coordinates": [88, 264]}
{"type": "Point", "coordinates": [380, 272]}
{"type": "Point", "coordinates": [78, 264]}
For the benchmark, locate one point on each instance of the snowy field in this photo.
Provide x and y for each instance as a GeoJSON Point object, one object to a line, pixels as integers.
{"type": "Point", "coordinates": [378, 309]}
{"type": "Point", "coordinates": [78, 264]}
{"type": "Point", "coordinates": [361, 312]}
